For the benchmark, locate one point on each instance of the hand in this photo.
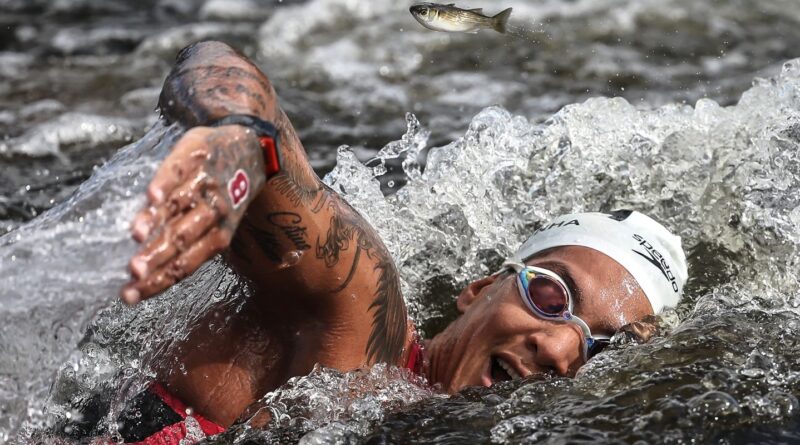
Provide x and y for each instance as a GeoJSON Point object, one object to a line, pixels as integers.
{"type": "Point", "coordinates": [195, 203]}
{"type": "Point", "coordinates": [641, 331]}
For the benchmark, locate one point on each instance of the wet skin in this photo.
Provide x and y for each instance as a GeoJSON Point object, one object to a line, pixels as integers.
{"type": "Point", "coordinates": [326, 290]}
{"type": "Point", "coordinates": [495, 323]}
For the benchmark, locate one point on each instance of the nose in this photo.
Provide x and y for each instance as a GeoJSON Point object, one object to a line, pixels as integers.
{"type": "Point", "coordinates": [557, 349]}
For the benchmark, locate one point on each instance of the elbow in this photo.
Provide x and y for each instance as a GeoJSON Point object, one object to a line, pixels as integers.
{"type": "Point", "coordinates": [203, 50]}
{"type": "Point", "coordinates": [210, 80]}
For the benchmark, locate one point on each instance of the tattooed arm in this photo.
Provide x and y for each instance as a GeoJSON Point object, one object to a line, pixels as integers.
{"type": "Point", "coordinates": [308, 253]}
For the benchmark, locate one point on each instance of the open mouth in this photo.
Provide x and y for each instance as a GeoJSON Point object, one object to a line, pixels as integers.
{"type": "Point", "coordinates": [502, 371]}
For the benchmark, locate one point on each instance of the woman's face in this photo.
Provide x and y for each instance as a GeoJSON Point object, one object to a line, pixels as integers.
{"type": "Point", "coordinates": [497, 337]}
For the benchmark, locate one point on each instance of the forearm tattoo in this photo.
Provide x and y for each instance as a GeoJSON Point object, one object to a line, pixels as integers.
{"type": "Point", "coordinates": [198, 94]}
{"type": "Point", "coordinates": [296, 182]}
{"type": "Point", "coordinates": [223, 164]}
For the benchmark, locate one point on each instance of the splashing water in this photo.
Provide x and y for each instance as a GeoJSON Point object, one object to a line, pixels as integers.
{"type": "Point", "coordinates": [331, 405]}
{"type": "Point", "coordinates": [725, 178]}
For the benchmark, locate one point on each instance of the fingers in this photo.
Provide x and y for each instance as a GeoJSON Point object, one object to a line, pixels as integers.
{"type": "Point", "coordinates": [181, 198]}
{"type": "Point", "coordinates": [642, 331]}
{"type": "Point", "coordinates": [189, 153]}
{"type": "Point", "coordinates": [178, 268]}
{"type": "Point", "coordinates": [192, 195]}
{"type": "Point", "coordinates": [174, 239]}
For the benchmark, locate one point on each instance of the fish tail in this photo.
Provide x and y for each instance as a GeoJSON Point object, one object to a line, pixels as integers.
{"type": "Point", "coordinates": [501, 20]}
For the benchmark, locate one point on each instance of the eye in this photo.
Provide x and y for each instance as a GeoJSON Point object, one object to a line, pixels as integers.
{"type": "Point", "coordinates": [547, 295]}
{"type": "Point", "coordinates": [424, 12]}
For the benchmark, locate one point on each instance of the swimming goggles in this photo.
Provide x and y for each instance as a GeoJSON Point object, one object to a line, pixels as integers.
{"type": "Point", "coordinates": [548, 297]}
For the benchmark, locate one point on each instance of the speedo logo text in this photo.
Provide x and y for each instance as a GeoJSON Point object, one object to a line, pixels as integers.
{"type": "Point", "coordinates": [656, 259]}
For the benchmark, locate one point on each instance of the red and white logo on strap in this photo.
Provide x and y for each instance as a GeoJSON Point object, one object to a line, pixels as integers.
{"type": "Point", "coordinates": [238, 188]}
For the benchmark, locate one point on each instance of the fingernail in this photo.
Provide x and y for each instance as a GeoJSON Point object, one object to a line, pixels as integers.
{"type": "Point", "coordinates": [131, 296]}
{"type": "Point", "coordinates": [139, 268]}
{"type": "Point", "coordinates": [140, 230]}
{"type": "Point", "coordinates": [157, 195]}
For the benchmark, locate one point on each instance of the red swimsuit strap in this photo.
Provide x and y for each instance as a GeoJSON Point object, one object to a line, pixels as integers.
{"type": "Point", "coordinates": [175, 433]}
{"type": "Point", "coordinates": [414, 363]}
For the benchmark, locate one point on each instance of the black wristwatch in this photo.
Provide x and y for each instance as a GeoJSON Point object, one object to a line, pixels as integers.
{"type": "Point", "coordinates": [267, 135]}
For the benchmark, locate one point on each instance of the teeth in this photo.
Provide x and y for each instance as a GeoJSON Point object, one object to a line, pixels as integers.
{"type": "Point", "coordinates": [509, 369]}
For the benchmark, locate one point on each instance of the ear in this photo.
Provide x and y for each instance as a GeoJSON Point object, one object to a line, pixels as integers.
{"type": "Point", "coordinates": [470, 293]}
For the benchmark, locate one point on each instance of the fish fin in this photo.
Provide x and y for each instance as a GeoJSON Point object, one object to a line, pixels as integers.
{"type": "Point", "coordinates": [501, 20]}
{"type": "Point", "coordinates": [478, 10]}
{"type": "Point", "coordinates": [451, 4]}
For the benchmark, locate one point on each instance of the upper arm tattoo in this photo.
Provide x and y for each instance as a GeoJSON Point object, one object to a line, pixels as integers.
{"type": "Point", "coordinates": [291, 225]}
{"type": "Point", "coordinates": [389, 319]}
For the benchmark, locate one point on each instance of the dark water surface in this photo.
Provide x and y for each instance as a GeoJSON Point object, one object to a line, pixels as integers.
{"type": "Point", "coordinates": [79, 80]}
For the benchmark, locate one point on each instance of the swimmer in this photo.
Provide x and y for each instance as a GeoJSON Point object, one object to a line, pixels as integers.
{"type": "Point", "coordinates": [325, 289]}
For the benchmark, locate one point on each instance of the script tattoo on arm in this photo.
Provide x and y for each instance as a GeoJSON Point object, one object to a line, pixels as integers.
{"type": "Point", "coordinates": [289, 224]}
{"type": "Point", "coordinates": [266, 240]}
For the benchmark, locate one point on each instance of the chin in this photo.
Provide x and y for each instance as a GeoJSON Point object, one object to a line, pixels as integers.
{"type": "Point", "coordinates": [465, 378]}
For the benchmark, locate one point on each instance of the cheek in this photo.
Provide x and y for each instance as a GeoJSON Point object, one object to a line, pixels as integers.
{"type": "Point", "coordinates": [493, 293]}
{"type": "Point", "coordinates": [635, 299]}
{"type": "Point", "coordinates": [630, 286]}
{"type": "Point", "coordinates": [487, 319]}
{"type": "Point", "coordinates": [618, 299]}
{"type": "Point", "coordinates": [625, 300]}
{"type": "Point", "coordinates": [619, 311]}
{"type": "Point", "coordinates": [496, 313]}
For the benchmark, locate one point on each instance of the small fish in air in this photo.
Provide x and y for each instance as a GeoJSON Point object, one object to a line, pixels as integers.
{"type": "Point", "coordinates": [450, 18]}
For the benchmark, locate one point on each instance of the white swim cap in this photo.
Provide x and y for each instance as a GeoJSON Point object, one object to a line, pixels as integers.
{"type": "Point", "coordinates": [650, 253]}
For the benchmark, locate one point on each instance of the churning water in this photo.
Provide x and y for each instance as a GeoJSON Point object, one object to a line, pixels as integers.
{"type": "Point", "coordinates": [691, 139]}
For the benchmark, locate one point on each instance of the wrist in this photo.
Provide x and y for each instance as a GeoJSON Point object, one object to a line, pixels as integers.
{"type": "Point", "coordinates": [267, 136]}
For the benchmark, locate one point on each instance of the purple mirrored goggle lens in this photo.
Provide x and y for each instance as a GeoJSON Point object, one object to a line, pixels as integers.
{"type": "Point", "coordinates": [548, 297]}
{"type": "Point", "coordinates": [545, 294]}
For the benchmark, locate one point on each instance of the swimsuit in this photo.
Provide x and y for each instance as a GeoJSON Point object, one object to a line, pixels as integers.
{"type": "Point", "coordinates": [156, 417]}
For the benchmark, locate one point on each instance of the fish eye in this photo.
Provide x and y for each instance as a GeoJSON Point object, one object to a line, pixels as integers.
{"type": "Point", "coordinates": [423, 12]}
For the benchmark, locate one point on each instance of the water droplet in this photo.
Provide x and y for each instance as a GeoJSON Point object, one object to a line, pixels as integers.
{"type": "Point", "coordinates": [291, 258]}
{"type": "Point", "coordinates": [752, 372]}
